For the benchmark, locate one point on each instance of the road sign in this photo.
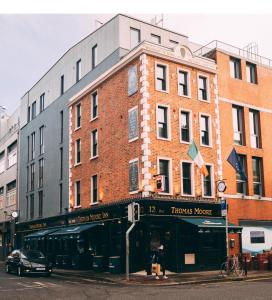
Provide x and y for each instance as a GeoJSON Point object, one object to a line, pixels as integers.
{"type": "Point", "coordinates": [134, 212]}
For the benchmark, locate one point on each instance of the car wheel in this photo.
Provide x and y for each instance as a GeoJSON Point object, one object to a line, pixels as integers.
{"type": "Point", "coordinates": [7, 269]}
{"type": "Point", "coordinates": [19, 271]}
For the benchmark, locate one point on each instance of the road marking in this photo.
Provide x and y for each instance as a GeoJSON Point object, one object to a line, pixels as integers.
{"type": "Point", "coordinates": [25, 285]}
{"type": "Point", "coordinates": [258, 279]}
{"type": "Point", "coordinates": [39, 283]}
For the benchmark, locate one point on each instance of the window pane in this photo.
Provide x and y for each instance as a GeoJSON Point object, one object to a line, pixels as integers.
{"type": "Point", "coordinates": [164, 170]}
{"type": "Point", "coordinates": [162, 122]}
{"type": "Point", "coordinates": [208, 183]}
{"type": "Point", "coordinates": [186, 178]}
{"type": "Point", "coordinates": [134, 37]}
{"type": "Point", "coordinates": [185, 129]}
{"type": "Point", "coordinates": [241, 185]}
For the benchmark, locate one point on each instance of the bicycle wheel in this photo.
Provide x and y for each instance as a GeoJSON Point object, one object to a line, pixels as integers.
{"type": "Point", "coordinates": [224, 269]}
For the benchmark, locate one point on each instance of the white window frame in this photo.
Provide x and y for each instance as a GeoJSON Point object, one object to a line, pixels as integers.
{"type": "Point", "coordinates": [188, 80]}
{"type": "Point", "coordinates": [167, 77]}
{"type": "Point", "coordinates": [192, 178]}
{"type": "Point", "coordinates": [168, 122]}
{"type": "Point", "coordinates": [76, 115]}
{"type": "Point", "coordinates": [208, 87]}
{"type": "Point", "coordinates": [92, 156]}
{"type": "Point", "coordinates": [91, 190]}
{"type": "Point", "coordinates": [212, 181]}
{"type": "Point", "coordinates": [131, 109]}
{"type": "Point", "coordinates": [75, 193]}
{"type": "Point", "coordinates": [210, 130]}
{"type": "Point", "coordinates": [190, 124]}
{"type": "Point", "coordinates": [132, 161]}
{"type": "Point", "coordinates": [170, 174]}
{"type": "Point", "coordinates": [77, 163]}
{"type": "Point", "coordinates": [91, 108]}
{"type": "Point", "coordinates": [251, 128]}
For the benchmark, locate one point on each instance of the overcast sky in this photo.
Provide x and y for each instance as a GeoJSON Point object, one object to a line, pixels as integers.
{"type": "Point", "coordinates": [30, 44]}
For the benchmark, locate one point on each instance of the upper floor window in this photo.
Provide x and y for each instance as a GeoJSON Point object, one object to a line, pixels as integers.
{"type": "Point", "coordinates": [61, 126]}
{"type": "Point", "coordinates": [254, 124]}
{"type": "Point", "coordinates": [94, 56]}
{"type": "Point", "coordinates": [32, 176]}
{"type": "Point", "coordinates": [11, 193]}
{"type": "Point", "coordinates": [187, 178]}
{"type": "Point", "coordinates": [251, 73]}
{"type": "Point", "coordinates": [78, 70]}
{"type": "Point", "coordinates": [163, 122]}
{"type": "Point", "coordinates": [165, 171]}
{"type": "Point", "coordinates": [241, 183]}
{"type": "Point", "coordinates": [62, 84]}
{"type": "Point", "coordinates": [78, 150]}
{"type": "Point", "coordinates": [135, 37]}
{"type": "Point", "coordinates": [161, 77]}
{"type": "Point", "coordinates": [133, 127]}
{"type": "Point", "coordinates": [238, 124]}
{"type": "Point", "coordinates": [183, 83]}
{"type": "Point", "coordinates": [257, 237]}
{"type": "Point", "coordinates": [185, 126]}
{"type": "Point", "coordinates": [257, 168]}
{"type": "Point", "coordinates": [156, 39]}
{"type": "Point", "coordinates": [94, 189]}
{"type": "Point", "coordinates": [235, 68]}
{"type": "Point", "coordinates": [31, 206]}
{"type": "Point", "coordinates": [32, 145]}
{"type": "Point", "coordinates": [42, 102]}
{"type": "Point", "coordinates": [33, 110]}
{"type": "Point", "coordinates": [134, 175]}
{"type": "Point", "coordinates": [40, 194]}
{"type": "Point", "coordinates": [205, 134]}
{"type": "Point", "coordinates": [2, 162]}
{"type": "Point", "coordinates": [94, 143]}
{"type": "Point", "coordinates": [28, 114]}
{"type": "Point", "coordinates": [77, 193]}
{"type": "Point", "coordinates": [208, 183]}
{"type": "Point", "coordinates": [12, 154]}
{"type": "Point", "coordinates": [78, 115]}
{"type": "Point", "coordinates": [41, 139]}
{"type": "Point", "coordinates": [202, 88]}
{"type": "Point", "coordinates": [1, 197]}
{"type": "Point", "coordinates": [41, 167]}
{"type": "Point", "coordinates": [94, 105]}
{"type": "Point", "coordinates": [173, 43]}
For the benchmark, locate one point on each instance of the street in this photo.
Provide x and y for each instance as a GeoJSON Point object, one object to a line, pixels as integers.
{"type": "Point", "coordinates": [60, 287]}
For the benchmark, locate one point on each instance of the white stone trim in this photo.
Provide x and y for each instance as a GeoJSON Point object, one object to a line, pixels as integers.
{"type": "Point", "coordinates": [70, 155]}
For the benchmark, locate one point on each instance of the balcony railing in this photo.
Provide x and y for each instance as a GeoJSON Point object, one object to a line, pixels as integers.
{"type": "Point", "coordinates": [244, 53]}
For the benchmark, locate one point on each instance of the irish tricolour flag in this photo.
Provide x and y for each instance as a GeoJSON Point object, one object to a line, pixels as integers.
{"type": "Point", "coordinates": [195, 155]}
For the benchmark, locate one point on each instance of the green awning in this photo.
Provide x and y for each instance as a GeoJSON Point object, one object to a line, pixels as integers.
{"type": "Point", "coordinates": [210, 222]}
{"type": "Point", "coordinates": [40, 233]}
{"type": "Point", "coordinates": [73, 229]}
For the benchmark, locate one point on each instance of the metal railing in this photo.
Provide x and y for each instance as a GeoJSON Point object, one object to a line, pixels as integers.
{"type": "Point", "coordinates": [235, 51]}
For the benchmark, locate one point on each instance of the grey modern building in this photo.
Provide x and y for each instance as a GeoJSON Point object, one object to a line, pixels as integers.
{"type": "Point", "coordinates": [44, 113]}
{"type": "Point", "coordinates": [9, 141]}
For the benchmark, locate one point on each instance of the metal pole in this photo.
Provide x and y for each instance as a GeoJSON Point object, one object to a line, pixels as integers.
{"type": "Point", "coordinates": [227, 229]}
{"type": "Point", "coordinates": [127, 250]}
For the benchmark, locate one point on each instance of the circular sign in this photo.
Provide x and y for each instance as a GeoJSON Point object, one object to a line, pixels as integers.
{"type": "Point", "coordinates": [14, 214]}
{"type": "Point", "coordinates": [221, 186]}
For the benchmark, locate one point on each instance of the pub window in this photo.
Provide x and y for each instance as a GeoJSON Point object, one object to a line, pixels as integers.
{"type": "Point", "coordinates": [161, 77]}
{"type": "Point", "coordinates": [238, 124]}
{"type": "Point", "coordinates": [134, 175]}
{"type": "Point", "coordinates": [42, 102]}
{"type": "Point", "coordinates": [41, 139]}
{"type": "Point", "coordinates": [78, 149]}
{"type": "Point", "coordinates": [235, 68]}
{"type": "Point", "coordinates": [203, 88]}
{"type": "Point", "coordinates": [32, 145]}
{"type": "Point", "coordinates": [257, 237]}
{"type": "Point", "coordinates": [133, 130]}
{"type": "Point", "coordinates": [78, 116]}
{"type": "Point", "coordinates": [251, 73]}
{"type": "Point", "coordinates": [183, 83]}
{"type": "Point", "coordinates": [257, 168]}
{"type": "Point", "coordinates": [41, 167]}
{"type": "Point", "coordinates": [187, 178]}
{"type": "Point", "coordinates": [94, 189]}
{"type": "Point", "coordinates": [94, 56]}
{"type": "Point", "coordinates": [94, 143]}
{"type": "Point", "coordinates": [135, 37]}
{"type": "Point", "coordinates": [40, 203]}
{"type": "Point", "coordinates": [77, 193]}
{"type": "Point", "coordinates": [32, 176]}
{"type": "Point", "coordinates": [185, 127]}
{"type": "Point", "coordinates": [241, 183]}
{"type": "Point", "coordinates": [12, 154]}
{"type": "Point", "coordinates": [33, 110]}
{"type": "Point", "coordinates": [163, 130]}
{"type": "Point", "coordinates": [254, 125]}
{"type": "Point", "coordinates": [165, 170]}
{"type": "Point", "coordinates": [94, 105]}
{"type": "Point", "coordinates": [205, 134]}
{"type": "Point", "coordinates": [156, 39]}
{"type": "Point", "coordinates": [208, 183]}
{"type": "Point", "coordinates": [78, 70]}
{"type": "Point", "coordinates": [31, 206]}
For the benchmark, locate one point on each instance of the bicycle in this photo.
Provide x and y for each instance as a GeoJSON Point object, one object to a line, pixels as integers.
{"type": "Point", "coordinates": [232, 266]}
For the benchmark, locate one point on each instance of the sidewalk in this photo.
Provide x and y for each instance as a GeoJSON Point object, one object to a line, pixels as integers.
{"type": "Point", "coordinates": [140, 278]}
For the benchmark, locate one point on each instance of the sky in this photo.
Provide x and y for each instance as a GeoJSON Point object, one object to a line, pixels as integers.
{"type": "Point", "coordinates": [31, 43]}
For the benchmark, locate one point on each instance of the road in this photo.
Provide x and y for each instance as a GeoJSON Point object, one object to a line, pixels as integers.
{"type": "Point", "coordinates": [58, 287]}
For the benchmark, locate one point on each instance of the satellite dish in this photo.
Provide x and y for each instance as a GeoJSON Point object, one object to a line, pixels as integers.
{"type": "Point", "coordinates": [14, 214]}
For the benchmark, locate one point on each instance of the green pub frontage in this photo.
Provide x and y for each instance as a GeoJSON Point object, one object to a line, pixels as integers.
{"type": "Point", "coordinates": [193, 234]}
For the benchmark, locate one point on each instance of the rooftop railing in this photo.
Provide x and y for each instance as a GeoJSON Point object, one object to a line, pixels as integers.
{"type": "Point", "coordinates": [235, 51]}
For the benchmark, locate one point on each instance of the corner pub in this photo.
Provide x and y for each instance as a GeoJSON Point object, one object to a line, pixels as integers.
{"type": "Point", "coordinates": [193, 234]}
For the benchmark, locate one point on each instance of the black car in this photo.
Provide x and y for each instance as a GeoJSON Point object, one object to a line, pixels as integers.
{"type": "Point", "coordinates": [28, 262]}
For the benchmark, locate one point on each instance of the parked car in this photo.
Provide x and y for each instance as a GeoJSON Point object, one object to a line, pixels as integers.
{"type": "Point", "coordinates": [28, 262]}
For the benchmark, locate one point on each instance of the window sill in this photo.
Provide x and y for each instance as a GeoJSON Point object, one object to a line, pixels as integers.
{"type": "Point", "coordinates": [94, 157]}
{"type": "Point", "coordinates": [164, 139]}
{"type": "Point", "coordinates": [205, 101]}
{"type": "Point", "coordinates": [184, 96]}
{"type": "Point", "coordinates": [162, 91]}
{"type": "Point", "coordinates": [93, 119]}
{"type": "Point", "coordinates": [94, 203]}
{"type": "Point", "coordinates": [183, 142]}
{"type": "Point", "coordinates": [206, 146]}
{"type": "Point", "coordinates": [166, 194]}
{"type": "Point", "coordinates": [76, 129]}
{"type": "Point", "coordinates": [187, 195]}
{"type": "Point", "coordinates": [134, 192]}
{"type": "Point", "coordinates": [77, 164]}
{"type": "Point", "coordinates": [133, 140]}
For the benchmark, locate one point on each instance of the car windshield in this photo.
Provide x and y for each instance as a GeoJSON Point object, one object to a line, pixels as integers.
{"type": "Point", "coordinates": [32, 255]}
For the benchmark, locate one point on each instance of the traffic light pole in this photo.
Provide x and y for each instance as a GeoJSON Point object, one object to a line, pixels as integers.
{"type": "Point", "coordinates": [127, 249]}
